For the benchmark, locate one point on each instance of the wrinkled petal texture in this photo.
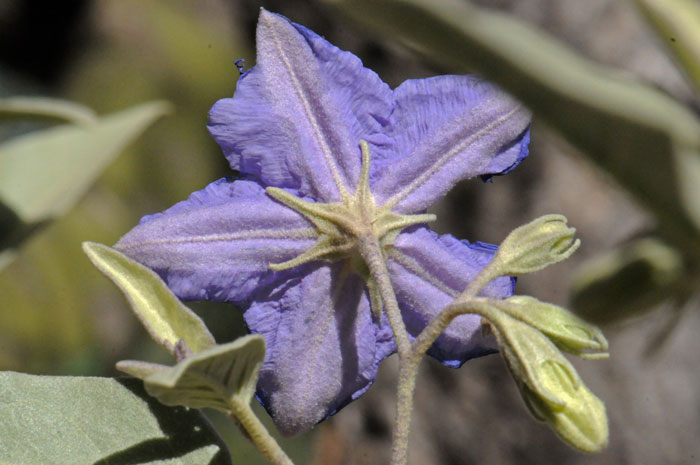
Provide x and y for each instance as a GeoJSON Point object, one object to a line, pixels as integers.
{"type": "Point", "coordinates": [219, 243]}
{"type": "Point", "coordinates": [428, 272]}
{"type": "Point", "coordinates": [323, 347]}
{"type": "Point", "coordinates": [446, 129]}
{"type": "Point", "coordinates": [295, 122]}
{"type": "Point", "coordinates": [297, 117]}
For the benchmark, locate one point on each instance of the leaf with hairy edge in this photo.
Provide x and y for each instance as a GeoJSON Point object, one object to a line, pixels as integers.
{"type": "Point", "coordinates": [45, 108]}
{"type": "Point", "coordinates": [166, 319]}
{"type": "Point", "coordinates": [90, 421]}
{"type": "Point", "coordinates": [214, 378]}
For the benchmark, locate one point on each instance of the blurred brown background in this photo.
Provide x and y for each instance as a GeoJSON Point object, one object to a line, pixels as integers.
{"type": "Point", "coordinates": [60, 316]}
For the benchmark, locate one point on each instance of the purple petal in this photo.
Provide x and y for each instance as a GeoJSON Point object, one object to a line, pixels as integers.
{"type": "Point", "coordinates": [218, 244]}
{"type": "Point", "coordinates": [428, 271]}
{"type": "Point", "coordinates": [297, 117]}
{"type": "Point", "coordinates": [446, 129]}
{"type": "Point", "coordinates": [323, 348]}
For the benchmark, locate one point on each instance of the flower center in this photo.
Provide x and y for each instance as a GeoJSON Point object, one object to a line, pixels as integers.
{"type": "Point", "coordinates": [341, 224]}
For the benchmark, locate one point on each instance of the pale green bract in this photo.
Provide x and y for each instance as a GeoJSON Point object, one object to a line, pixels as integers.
{"type": "Point", "coordinates": [166, 319]}
{"type": "Point", "coordinates": [216, 378]}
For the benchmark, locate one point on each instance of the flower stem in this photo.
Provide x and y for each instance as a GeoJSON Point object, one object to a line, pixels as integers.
{"type": "Point", "coordinates": [461, 306]}
{"type": "Point", "coordinates": [372, 254]}
{"type": "Point", "coordinates": [408, 363]}
{"type": "Point", "coordinates": [467, 299]}
{"type": "Point", "coordinates": [488, 273]}
{"type": "Point", "coordinates": [258, 434]}
{"type": "Point", "coordinates": [408, 369]}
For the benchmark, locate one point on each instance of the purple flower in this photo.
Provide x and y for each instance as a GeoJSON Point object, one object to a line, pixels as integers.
{"type": "Point", "coordinates": [327, 151]}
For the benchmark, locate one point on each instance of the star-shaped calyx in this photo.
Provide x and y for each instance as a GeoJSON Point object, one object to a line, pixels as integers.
{"type": "Point", "coordinates": [340, 225]}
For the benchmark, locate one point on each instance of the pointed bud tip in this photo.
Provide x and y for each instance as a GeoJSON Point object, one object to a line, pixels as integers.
{"type": "Point", "coordinates": [536, 245]}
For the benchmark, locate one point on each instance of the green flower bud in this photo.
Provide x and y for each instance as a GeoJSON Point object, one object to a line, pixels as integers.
{"type": "Point", "coordinates": [566, 330]}
{"type": "Point", "coordinates": [582, 423]}
{"type": "Point", "coordinates": [536, 245]}
{"type": "Point", "coordinates": [549, 384]}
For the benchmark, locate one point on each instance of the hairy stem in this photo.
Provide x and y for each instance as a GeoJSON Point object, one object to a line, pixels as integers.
{"type": "Point", "coordinates": [468, 298]}
{"type": "Point", "coordinates": [461, 306]}
{"type": "Point", "coordinates": [408, 364]}
{"type": "Point", "coordinates": [372, 254]}
{"type": "Point", "coordinates": [258, 434]}
{"type": "Point", "coordinates": [408, 369]}
{"type": "Point", "coordinates": [488, 273]}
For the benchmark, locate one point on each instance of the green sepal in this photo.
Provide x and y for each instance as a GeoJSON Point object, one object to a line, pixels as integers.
{"type": "Point", "coordinates": [526, 350]}
{"type": "Point", "coordinates": [542, 242]}
{"type": "Point", "coordinates": [582, 423]}
{"type": "Point", "coordinates": [566, 330]}
{"type": "Point", "coordinates": [213, 378]}
{"type": "Point", "coordinates": [167, 320]}
{"type": "Point", "coordinates": [549, 384]}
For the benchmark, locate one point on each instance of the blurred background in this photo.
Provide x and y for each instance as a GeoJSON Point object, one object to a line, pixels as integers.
{"type": "Point", "coordinates": [59, 315]}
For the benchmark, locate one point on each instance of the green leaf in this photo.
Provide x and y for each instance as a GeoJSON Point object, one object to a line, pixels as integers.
{"type": "Point", "coordinates": [213, 378]}
{"type": "Point", "coordinates": [677, 23]}
{"type": "Point", "coordinates": [90, 421]}
{"type": "Point", "coordinates": [627, 281]}
{"type": "Point", "coordinates": [13, 108]}
{"type": "Point", "coordinates": [633, 131]}
{"type": "Point", "coordinates": [44, 173]}
{"type": "Point", "coordinates": [166, 319]}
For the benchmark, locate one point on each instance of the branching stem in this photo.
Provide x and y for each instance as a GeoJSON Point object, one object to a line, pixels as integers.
{"type": "Point", "coordinates": [410, 354]}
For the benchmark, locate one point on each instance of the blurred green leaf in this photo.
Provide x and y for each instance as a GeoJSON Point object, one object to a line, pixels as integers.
{"type": "Point", "coordinates": [166, 319]}
{"type": "Point", "coordinates": [13, 108]}
{"type": "Point", "coordinates": [627, 281]}
{"type": "Point", "coordinates": [677, 23]}
{"type": "Point", "coordinates": [6, 256]}
{"type": "Point", "coordinates": [634, 131]}
{"type": "Point", "coordinates": [42, 174]}
{"type": "Point", "coordinates": [213, 378]}
{"type": "Point", "coordinates": [91, 421]}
